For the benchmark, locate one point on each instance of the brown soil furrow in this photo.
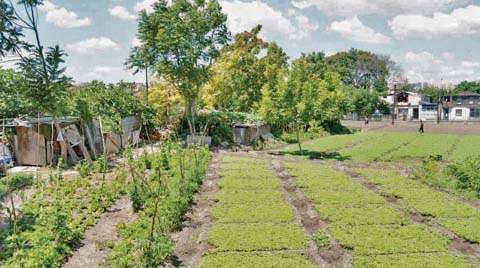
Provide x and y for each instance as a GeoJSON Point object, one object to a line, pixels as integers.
{"type": "Point", "coordinates": [88, 254]}
{"type": "Point", "coordinates": [334, 255]}
{"type": "Point", "coordinates": [191, 241]}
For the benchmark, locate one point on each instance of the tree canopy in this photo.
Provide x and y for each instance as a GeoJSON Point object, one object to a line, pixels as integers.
{"type": "Point", "coordinates": [184, 38]}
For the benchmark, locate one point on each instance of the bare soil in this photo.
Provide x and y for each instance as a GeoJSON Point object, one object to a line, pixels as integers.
{"type": "Point", "coordinates": [88, 254]}
{"type": "Point", "coordinates": [191, 241]}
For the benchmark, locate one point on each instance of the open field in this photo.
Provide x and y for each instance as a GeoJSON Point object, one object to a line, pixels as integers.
{"type": "Point", "coordinates": [281, 212]}
{"type": "Point", "coordinates": [389, 147]}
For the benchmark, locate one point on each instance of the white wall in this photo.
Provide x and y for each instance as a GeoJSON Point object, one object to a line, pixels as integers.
{"type": "Point", "coordinates": [465, 114]}
{"type": "Point", "coordinates": [428, 115]}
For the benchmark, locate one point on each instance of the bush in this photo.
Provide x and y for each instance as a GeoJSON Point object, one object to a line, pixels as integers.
{"type": "Point", "coordinates": [467, 173]}
{"type": "Point", "coordinates": [291, 138]}
{"type": "Point", "coordinates": [84, 168]}
{"type": "Point", "coordinates": [15, 181]}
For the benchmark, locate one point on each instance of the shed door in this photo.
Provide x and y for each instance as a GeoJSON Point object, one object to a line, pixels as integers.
{"type": "Point", "coordinates": [31, 148]}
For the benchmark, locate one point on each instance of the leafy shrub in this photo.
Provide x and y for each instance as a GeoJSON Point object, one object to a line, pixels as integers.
{"type": "Point", "coordinates": [100, 165]}
{"type": "Point", "coordinates": [291, 138]}
{"type": "Point", "coordinates": [467, 173]}
{"type": "Point", "coordinates": [84, 168]}
{"type": "Point", "coordinates": [15, 181]}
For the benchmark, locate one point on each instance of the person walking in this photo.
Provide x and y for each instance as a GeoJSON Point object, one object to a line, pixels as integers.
{"type": "Point", "coordinates": [422, 128]}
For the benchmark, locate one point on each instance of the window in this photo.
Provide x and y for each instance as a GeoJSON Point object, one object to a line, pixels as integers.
{"type": "Point", "coordinates": [458, 112]}
{"type": "Point", "coordinates": [475, 113]}
{"type": "Point", "coordinates": [429, 107]}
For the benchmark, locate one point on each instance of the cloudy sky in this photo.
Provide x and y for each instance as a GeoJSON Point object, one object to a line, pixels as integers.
{"type": "Point", "coordinates": [434, 40]}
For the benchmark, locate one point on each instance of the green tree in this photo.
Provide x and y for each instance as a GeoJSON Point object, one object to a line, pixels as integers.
{"type": "Point", "coordinates": [468, 86]}
{"type": "Point", "coordinates": [365, 103]}
{"type": "Point", "coordinates": [184, 38]}
{"type": "Point", "coordinates": [12, 101]}
{"type": "Point", "coordinates": [358, 68]}
{"type": "Point", "coordinates": [141, 59]}
{"type": "Point", "coordinates": [239, 74]}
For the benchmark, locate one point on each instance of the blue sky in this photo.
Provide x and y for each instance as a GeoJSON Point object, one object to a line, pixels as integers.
{"type": "Point", "coordinates": [434, 40]}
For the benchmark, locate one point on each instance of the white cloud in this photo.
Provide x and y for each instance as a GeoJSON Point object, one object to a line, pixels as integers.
{"type": "Point", "coordinates": [246, 15]}
{"type": "Point", "coordinates": [90, 46]}
{"type": "Point", "coordinates": [426, 67]}
{"type": "Point", "coordinates": [355, 30]}
{"type": "Point", "coordinates": [103, 73]}
{"type": "Point", "coordinates": [470, 64]}
{"type": "Point", "coordinates": [61, 17]}
{"type": "Point", "coordinates": [461, 21]}
{"type": "Point", "coordinates": [121, 12]}
{"type": "Point", "coordinates": [389, 7]}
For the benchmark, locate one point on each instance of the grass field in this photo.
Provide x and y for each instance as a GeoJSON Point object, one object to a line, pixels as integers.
{"type": "Point", "coordinates": [390, 147]}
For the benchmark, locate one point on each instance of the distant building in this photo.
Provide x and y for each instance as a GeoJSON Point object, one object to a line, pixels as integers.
{"type": "Point", "coordinates": [412, 106]}
{"type": "Point", "coordinates": [464, 106]}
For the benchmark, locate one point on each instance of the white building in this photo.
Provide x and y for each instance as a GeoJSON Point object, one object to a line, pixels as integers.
{"type": "Point", "coordinates": [464, 106]}
{"type": "Point", "coordinates": [412, 106]}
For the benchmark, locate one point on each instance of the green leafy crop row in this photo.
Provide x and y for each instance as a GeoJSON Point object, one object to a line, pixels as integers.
{"type": "Point", "coordinates": [411, 261]}
{"type": "Point", "coordinates": [161, 198]}
{"type": "Point", "coordinates": [255, 260]}
{"type": "Point", "coordinates": [231, 183]}
{"type": "Point", "coordinates": [375, 149]}
{"type": "Point", "coordinates": [333, 143]}
{"type": "Point", "coordinates": [251, 196]}
{"type": "Point", "coordinates": [450, 213]}
{"type": "Point", "coordinates": [354, 197]}
{"type": "Point", "coordinates": [374, 240]}
{"type": "Point", "coordinates": [468, 228]}
{"type": "Point", "coordinates": [248, 213]}
{"type": "Point", "coordinates": [59, 211]}
{"type": "Point", "coordinates": [257, 237]}
{"type": "Point", "coordinates": [364, 215]}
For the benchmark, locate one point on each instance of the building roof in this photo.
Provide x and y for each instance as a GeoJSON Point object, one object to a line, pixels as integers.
{"type": "Point", "coordinates": [467, 93]}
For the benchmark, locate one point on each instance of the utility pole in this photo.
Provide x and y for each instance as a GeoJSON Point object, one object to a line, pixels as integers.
{"type": "Point", "coordinates": [394, 103]}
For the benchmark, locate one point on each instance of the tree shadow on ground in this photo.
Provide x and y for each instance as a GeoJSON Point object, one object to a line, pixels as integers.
{"type": "Point", "coordinates": [318, 155]}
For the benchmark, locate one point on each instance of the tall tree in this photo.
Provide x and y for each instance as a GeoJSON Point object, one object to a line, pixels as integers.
{"type": "Point", "coordinates": [184, 37]}
{"type": "Point", "coordinates": [361, 69]}
{"type": "Point", "coordinates": [141, 59]}
{"type": "Point", "coordinates": [239, 74]}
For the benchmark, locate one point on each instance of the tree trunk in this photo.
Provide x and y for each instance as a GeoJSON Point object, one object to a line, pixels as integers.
{"type": "Point", "coordinates": [191, 117]}
{"type": "Point", "coordinates": [298, 140]}
{"type": "Point", "coordinates": [146, 81]}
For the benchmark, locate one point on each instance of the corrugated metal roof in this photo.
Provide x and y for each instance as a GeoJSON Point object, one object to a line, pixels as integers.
{"type": "Point", "coordinates": [467, 94]}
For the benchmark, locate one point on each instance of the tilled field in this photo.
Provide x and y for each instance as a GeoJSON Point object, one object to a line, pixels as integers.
{"type": "Point", "coordinates": [276, 212]}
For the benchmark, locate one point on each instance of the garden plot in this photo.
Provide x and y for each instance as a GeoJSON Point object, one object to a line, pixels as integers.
{"type": "Point", "coordinates": [376, 149]}
{"type": "Point", "coordinates": [456, 216]}
{"type": "Point", "coordinates": [467, 146]}
{"type": "Point", "coordinates": [255, 260]}
{"type": "Point", "coordinates": [425, 146]}
{"type": "Point", "coordinates": [333, 143]}
{"type": "Point", "coordinates": [376, 231]}
{"type": "Point", "coordinates": [406, 147]}
{"type": "Point", "coordinates": [412, 261]}
{"type": "Point", "coordinates": [253, 219]}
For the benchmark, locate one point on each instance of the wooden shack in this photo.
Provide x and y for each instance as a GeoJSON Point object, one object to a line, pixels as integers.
{"type": "Point", "coordinates": [248, 134]}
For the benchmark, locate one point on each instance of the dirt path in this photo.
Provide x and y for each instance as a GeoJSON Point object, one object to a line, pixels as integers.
{"type": "Point", "coordinates": [88, 254]}
{"type": "Point", "coordinates": [334, 255]}
{"type": "Point", "coordinates": [191, 241]}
